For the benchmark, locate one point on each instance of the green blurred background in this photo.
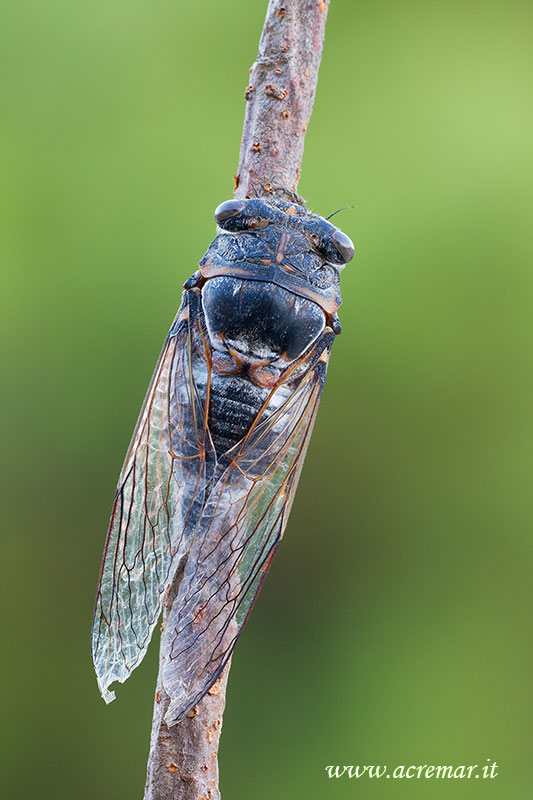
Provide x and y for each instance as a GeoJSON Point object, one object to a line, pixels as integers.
{"type": "Point", "coordinates": [394, 627]}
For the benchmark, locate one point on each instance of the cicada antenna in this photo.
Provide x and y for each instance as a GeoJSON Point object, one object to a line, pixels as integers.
{"type": "Point", "coordinates": [340, 209]}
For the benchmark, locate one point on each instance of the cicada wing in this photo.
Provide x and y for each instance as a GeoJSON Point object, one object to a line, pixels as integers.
{"type": "Point", "coordinates": [159, 497]}
{"type": "Point", "coordinates": [238, 533]}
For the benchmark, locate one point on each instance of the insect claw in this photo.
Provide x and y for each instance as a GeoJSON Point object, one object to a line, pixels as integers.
{"type": "Point", "coordinates": [336, 325]}
{"type": "Point", "coordinates": [193, 281]}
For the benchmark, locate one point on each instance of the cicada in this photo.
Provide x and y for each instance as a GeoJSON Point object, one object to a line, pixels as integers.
{"type": "Point", "coordinates": [210, 475]}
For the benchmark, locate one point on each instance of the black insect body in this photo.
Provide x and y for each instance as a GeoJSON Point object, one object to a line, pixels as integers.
{"type": "Point", "coordinates": [211, 472]}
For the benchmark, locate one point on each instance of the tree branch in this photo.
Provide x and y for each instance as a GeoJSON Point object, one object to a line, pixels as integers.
{"type": "Point", "coordinates": [280, 97]}
{"type": "Point", "coordinates": [182, 763]}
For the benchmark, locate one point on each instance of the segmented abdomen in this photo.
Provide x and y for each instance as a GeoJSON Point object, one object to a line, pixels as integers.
{"type": "Point", "coordinates": [234, 404]}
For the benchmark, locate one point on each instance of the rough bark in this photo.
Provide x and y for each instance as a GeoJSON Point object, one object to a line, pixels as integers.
{"type": "Point", "coordinates": [183, 760]}
{"type": "Point", "coordinates": [280, 97]}
{"type": "Point", "coordinates": [182, 763]}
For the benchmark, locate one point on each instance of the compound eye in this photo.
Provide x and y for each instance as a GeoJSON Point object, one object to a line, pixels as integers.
{"type": "Point", "coordinates": [344, 245]}
{"type": "Point", "coordinates": [229, 209]}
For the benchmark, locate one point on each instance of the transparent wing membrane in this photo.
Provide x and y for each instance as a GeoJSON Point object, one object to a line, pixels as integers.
{"type": "Point", "coordinates": [238, 534]}
{"type": "Point", "coordinates": [159, 492]}
{"type": "Point", "coordinates": [219, 523]}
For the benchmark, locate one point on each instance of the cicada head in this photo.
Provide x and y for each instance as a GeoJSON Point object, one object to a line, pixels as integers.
{"type": "Point", "coordinates": [281, 243]}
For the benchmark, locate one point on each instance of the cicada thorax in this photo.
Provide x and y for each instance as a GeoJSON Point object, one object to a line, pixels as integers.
{"type": "Point", "coordinates": [269, 286]}
{"type": "Point", "coordinates": [256, 330]}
